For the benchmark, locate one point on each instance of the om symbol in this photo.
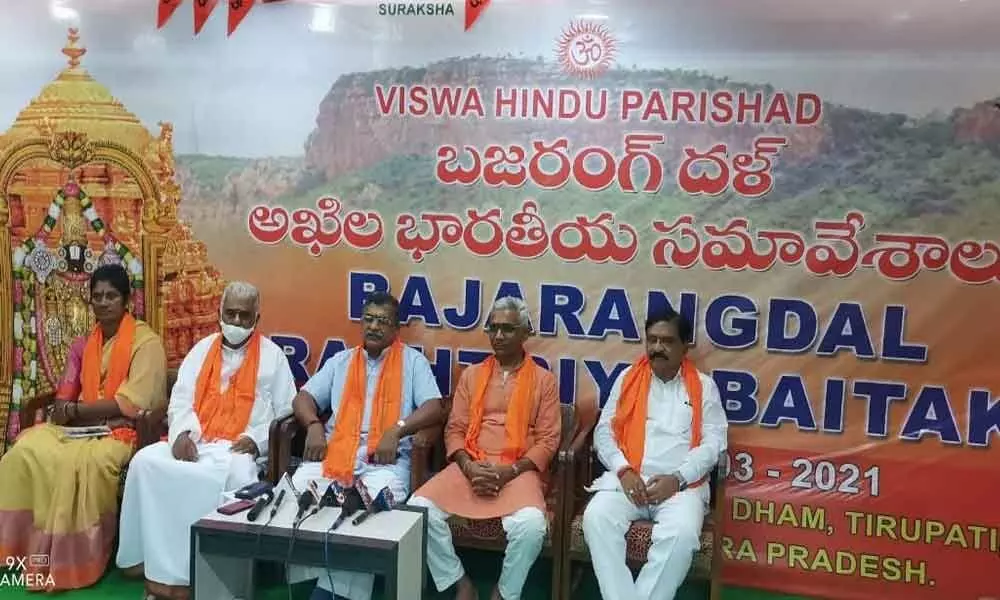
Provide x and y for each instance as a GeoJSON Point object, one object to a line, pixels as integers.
{"type": "Point", "coordinates": [587, 51]}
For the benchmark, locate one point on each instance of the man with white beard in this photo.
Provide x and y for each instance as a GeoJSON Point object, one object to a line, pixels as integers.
{"type": "Point", "coordinates": [229, 389]}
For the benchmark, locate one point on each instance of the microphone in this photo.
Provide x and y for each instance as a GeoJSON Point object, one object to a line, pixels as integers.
{"type": "Point", "coordinates": [277, 504]}
{"type": "Point", "coordinates": [312, 499]}
{"type": "Point", "coordinates": [352, 503]}
{"type": "Point", "coordinates": [383, 502]}
{"type": "Point", "coordinates": [306, 499]}
{"type": "Point", "coordinates": [260, 505]}
{"type": "Point", "coordinates": [291, 484]}
{"type": "Point", "coordinates": [334, 496]}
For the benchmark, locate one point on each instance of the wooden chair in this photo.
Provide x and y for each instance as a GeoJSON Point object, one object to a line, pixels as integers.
{"type": "Point", "coordinates": [150, 428]}
{"type": "Point", "coordinates": [287, 439]}
{"type": "Point", "coordinates": [488, 534]}
{"type": "Point", "coordinates": [707, 564]}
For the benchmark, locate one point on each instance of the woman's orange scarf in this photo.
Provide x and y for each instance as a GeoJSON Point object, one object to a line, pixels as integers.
{"type": "Point", "coordinates": [224, 415]}
{"type": "Point", "coordinates": [518, 412]}
{"type": "Point", "coordinates": [118, 363]}
{"type": "Point", "coordinates": [629, 422]}
{"type": "Point", "coordinates": [117, 372]}
{"type": "Point", "coordinates": [338, 464]}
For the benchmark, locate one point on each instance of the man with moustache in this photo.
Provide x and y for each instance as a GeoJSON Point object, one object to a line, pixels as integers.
{"type": "Point", "coordinates": [378, 393]}
{"type": "Point", "coordinates": [503, 431]}
{"type": "Point", "coordinates": [660, 433]}
{"type": "Point", "coordinates": [229, 388]}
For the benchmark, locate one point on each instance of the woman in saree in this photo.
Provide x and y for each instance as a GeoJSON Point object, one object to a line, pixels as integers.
{"type": "Point", "coordinates": [59, 498]}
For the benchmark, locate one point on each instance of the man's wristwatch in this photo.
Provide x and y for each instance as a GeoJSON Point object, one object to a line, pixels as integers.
{"type": "Point", "coordinates": [682, 483]}
{"type": "Point", "coordinates": [400, 424]}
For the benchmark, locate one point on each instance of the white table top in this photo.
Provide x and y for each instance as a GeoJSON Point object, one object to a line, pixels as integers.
{"type": "Point", "coordinates": [386, 526]}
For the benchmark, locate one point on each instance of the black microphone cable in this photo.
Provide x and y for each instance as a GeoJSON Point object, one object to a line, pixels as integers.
{"type": "Point", "coordinates": [351, 504]}
{"type": "Point", "coordinates": [295, 528]}
{"type": "Point", "coordinates": [326, 555]}
{"type": "Point", "coordinates": [274, 511]}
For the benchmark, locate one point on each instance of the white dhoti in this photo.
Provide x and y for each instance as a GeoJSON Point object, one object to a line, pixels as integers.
{"type": "Point", "coordinates": [676, 537]}
{"type": "Point", "coordinates": [525, 529]}
{"type": "Point", "coordinates": [354, 585]}
{"type": "Point", "coordinates": [165, 496]}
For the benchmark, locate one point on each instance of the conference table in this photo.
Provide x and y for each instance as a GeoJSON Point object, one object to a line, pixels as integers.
{"type": "Point", "coordinates": [225, 548]}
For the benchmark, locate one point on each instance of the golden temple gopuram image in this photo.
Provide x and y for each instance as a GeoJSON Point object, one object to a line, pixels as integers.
{"type": "Point", "coordinates": [83, 183]}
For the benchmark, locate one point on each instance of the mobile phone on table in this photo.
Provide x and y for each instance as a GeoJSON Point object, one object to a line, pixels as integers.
{"type": "Point", "coordinates": [236, 507]}
{"type": "Point", "coordinates": [253, 490]}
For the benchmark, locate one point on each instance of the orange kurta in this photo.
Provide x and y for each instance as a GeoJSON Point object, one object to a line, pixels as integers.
{"type": "Point", "coordinates": [452, 492]}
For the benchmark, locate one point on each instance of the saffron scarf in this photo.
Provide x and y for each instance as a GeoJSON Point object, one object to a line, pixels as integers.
{"type": "Point", "coordinates": [629, 422]}
{"type": "Point", "coordinates": [224, 415]}
{"type": "Point", "coordinates": [338, 464]}
{"type": "Point", "coordinates": [518, 411]}
{"type": "Point", "coordinates": [118, 363]}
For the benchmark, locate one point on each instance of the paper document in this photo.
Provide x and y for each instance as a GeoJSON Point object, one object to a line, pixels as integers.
{"type": "Point", "coordinates": [86, 432]}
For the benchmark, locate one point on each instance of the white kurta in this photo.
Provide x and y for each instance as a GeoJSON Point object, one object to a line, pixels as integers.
{"type": "Point", "coordinates": [165, 496]}
{"type": "Point", "coordinates": [678, 521]}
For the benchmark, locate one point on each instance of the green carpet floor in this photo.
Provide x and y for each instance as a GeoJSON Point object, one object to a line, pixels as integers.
{"type": "Point", "coordinates": [482, 566]}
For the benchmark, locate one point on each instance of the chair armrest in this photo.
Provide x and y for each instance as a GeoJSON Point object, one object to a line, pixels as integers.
{"type": "Point", "coordinates": [150, 427]}
{"type": "Point", "coordinates": [428, 453]}
{"type": "Point", "coordinates": [717, 479]}
{"type": "Point", "coordinates": [718, 520]}
{"type": "Point", "coordinates": [560, 467]}
{"type": "Point", "coordinates": [582, 453]}
{"type": "Point", "coordinates": [279, 446]}
{"type": "Point", "coordinates": [722, 466]}
{"type": "Point", "coordinates": [425, 443]}
{"type": "Point", "coordinates": [29, 411]}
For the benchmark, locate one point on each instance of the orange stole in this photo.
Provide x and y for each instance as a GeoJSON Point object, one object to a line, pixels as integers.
{"type": "Point", "coordinates": [224, 415]}
{"type": "Point", "coordinates": [629, 422]}
{"type": "Point", "coordinates": [92, 388]}
{"type": "Point", "coordinates": [518, 412]}
{"type": "Point", "coordinates": [338, 464]}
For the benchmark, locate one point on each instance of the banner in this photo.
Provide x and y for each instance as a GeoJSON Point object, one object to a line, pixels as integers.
{"type": "Point", "coordinates": [818, 192]}
{"type": "Point", "coordinates": [164, 10]}
{"type": "Point", "coordinates": [238, 10]}
{"type": "Point", "coordinates": [202, 11]}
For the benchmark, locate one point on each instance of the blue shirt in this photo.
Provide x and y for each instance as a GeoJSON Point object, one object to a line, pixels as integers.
{"type": "Point", "coordinates": [326, 386]}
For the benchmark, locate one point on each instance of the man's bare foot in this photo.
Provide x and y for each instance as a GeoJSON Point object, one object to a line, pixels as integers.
{"type": "Point", "coordinates": [496, 594]}
{"type": "Point", "coordinates": [465, 590]}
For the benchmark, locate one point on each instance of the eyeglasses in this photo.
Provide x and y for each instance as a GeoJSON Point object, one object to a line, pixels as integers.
{"type": "Point", "coordinates": [380, 320]}
{"type": "Point", "coordinates": [506, 328]}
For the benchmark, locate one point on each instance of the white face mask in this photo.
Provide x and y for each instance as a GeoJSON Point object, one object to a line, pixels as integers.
{"type": "Point", "coordinates": [234, 334]}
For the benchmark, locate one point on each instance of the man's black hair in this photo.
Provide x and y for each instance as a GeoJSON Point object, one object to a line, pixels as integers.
{"type": "Point", "coordinates": [669, 315]}
{"type": "Point", "coordinates": [383, 299]}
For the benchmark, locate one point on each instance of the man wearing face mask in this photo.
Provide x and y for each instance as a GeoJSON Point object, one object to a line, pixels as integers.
{"type": "Point", "coordinates": [661, 431]}
{"type": "Point", "coordinates": [229, 389]}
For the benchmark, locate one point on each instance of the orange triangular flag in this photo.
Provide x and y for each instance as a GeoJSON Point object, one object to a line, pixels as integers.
{"type": "Point", "coordinates": [238, 10]}
{"type": "Point", "coordinates": [202, 10]}
{"type": "Point", "coordinates": [164, 10]}
{"type": "Point", "coordinates": [473, 10]}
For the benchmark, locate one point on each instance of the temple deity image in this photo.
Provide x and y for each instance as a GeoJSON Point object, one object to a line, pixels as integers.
{"type": "Point", "coordinates": [84, 183]}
